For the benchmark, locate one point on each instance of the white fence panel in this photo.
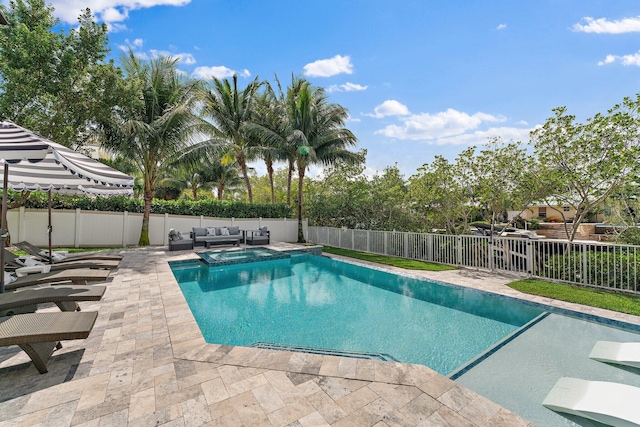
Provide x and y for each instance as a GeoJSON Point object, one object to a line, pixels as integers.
{"type": "Point", "coordinates": [92, 228]}
{"type": "Point", "coordinates": [592, 264]}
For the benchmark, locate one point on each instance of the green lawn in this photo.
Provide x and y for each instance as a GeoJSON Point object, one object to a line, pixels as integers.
{"type": "Point", "coordinates": [586, 296]}
{"type": "Point", "coordinates": [409, 264]}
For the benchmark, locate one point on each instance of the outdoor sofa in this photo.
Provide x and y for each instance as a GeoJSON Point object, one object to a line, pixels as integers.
{"type": "Point", "coordinates": [208, 236]}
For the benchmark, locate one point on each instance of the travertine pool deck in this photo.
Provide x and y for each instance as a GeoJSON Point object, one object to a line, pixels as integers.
{"type": "Point", "coordinates": [146, 363]}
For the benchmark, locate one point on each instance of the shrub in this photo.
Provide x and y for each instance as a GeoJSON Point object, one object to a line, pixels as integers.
{"type": "Point", "coordinates": [205, 207]}
{"type": "Point", "coordinates": [630, 236]}
{"type": "Point", "coordinates": [534, 224]}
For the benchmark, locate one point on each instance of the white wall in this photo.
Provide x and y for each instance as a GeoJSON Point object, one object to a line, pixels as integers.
{"type": "Point", "coordinates": [78, 228]}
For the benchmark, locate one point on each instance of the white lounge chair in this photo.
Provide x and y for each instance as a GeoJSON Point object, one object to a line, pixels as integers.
{"type": "Point", "coordinates": [609, 403]}
{"type": "Point", "coordinates": [622, 353]}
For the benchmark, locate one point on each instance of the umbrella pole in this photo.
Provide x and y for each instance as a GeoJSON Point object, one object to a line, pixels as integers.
{"type": "Point", "coordinates": [3, 227]}
{"type": "Point", "coordinates": [50, 229]}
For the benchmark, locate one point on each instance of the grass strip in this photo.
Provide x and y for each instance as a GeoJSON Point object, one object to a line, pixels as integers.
{"type": "Point", "coordinates": [409, 264]}
{"type": "Point", "coordinates": [592, 297]}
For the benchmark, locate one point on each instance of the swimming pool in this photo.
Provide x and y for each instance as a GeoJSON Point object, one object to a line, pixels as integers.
{"type": "Point", "coordinates": [316, 303]}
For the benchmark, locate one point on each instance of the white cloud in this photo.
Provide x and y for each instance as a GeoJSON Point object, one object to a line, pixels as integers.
{"type": "Point", "coordinates": [430, 127]}
{"type": "Point", "coordinates": [604, 26]}
{"type": "Point", "coordinates": [501, 27]}
{"type": "Point", "coordinates": [347, 87]}
{"type": "Point", "coordinates": [185, 58]}
{"type": "Point", "coordinates": [219, 72]}
{"type": "Point", "coordinates": [390, 107]}
{"type": "Point", "coordinates": [329, 67]}
{"type": "Point", "coordinates": [109, 11]}
{"type": "Point", "coordinates": [626, 60]}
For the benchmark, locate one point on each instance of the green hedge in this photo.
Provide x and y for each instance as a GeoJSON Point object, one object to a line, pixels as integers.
{"type": "Point", "coordinates": [206, 207]}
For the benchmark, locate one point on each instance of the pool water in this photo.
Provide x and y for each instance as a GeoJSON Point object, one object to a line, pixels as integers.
{"type": "Point", "coordinates": [317, 302]}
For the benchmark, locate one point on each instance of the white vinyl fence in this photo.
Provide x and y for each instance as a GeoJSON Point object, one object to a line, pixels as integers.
{"type": "Point", "coordinates": [78, 228]}
{"type": "Point", "coordinates": [585, 263]}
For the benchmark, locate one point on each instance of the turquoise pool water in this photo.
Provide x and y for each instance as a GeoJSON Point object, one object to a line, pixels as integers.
{"type": "Point", "coordinates": [313, 301]}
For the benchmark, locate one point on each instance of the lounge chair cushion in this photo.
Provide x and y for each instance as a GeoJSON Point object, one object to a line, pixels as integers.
{"type": "Point", "coordinates": [8, 277]}
{"type": "Point", "coordinates": [56, 255]}
{"type": "Point", "coordinates": [23, 271]}
{"type": "Point", "coordinates": [28, 261]}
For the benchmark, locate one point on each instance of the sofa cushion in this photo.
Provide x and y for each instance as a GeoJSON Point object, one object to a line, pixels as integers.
{"type": "Point", "coordinates": [233, 231]}
{"type": "Point", "coordinates": [198, 231]}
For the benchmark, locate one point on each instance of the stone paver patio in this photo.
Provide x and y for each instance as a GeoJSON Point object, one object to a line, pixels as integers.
{"type": "Point", "coordinates": [146, 363]}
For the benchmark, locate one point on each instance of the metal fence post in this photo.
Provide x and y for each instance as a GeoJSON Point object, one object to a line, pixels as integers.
{"type": "Point", "coordinates": [353, 240]}
{"type": "Point", "coordinates": [529, 259]}
{"type": "Point", "coordinates": [585, 276]}
{"type": "Point", "coordinates": [406, 245]}
{"type": "Point", "coordinates": [429, 247]}
{"type": "Point", "coordinates": [384, 247]}
{"type": "Point", "coordinates": [459, 250]}
{"type": "Point", "coordinates": [368, 241]}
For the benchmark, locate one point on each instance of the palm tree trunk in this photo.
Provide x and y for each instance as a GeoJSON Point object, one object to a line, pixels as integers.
{"type": "Point", "coordinates": [245, 175]}
{"type": "Point", "coordinates": [289, 180]}
{"type": "Point", "coordinates": [301, 170]}
{"type": "Point", "coordinates": [220, 191]}
{"type": "Point", "coordinates": [144, 233]}
{"type": "Point", "coordinates": [269, 164]}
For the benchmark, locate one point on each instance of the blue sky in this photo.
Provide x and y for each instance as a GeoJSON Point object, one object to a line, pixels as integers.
{"type": "Point", "coordinates": [419, 78]}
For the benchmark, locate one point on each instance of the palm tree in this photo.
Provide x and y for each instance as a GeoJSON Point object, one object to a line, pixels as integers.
{"type": "Point", "coordinates": [231, 110]}
{"type": "Point", "coordinates": [275, 131]}
{"type": "Point", "coordinates": [156, 127]}
{"type": "Point", "coordinates": [318, 133]}
{"type": "Point", "coordinates": [224, 176]}
{"type": "Point", "coordinates": [269, 126]}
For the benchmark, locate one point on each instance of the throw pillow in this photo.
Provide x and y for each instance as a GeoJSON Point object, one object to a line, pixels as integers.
{"type": "Point", "coordinates": [264, 231]}
{"type": "Point", "coordinates": [224, 231]}
{"type": "Point", "coordinates": [180, 236]}
{"type": "Point", "coordinates": [211, 231]}
{"type": "Point", "coordinates": [173, 235]}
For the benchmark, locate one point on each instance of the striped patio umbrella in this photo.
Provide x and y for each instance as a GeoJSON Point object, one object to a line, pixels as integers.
{"type": "Point", "coordinates": [40, 164]}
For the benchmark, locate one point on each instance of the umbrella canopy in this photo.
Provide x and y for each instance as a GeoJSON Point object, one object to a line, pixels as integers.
{"type": "Point", "coordinates": [51, 167]}
{"type": "Point", "coordinates": [62, 170]}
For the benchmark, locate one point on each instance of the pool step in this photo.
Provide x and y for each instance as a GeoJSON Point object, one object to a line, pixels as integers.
{"type": "Point", "coordinates": [325, 351]}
